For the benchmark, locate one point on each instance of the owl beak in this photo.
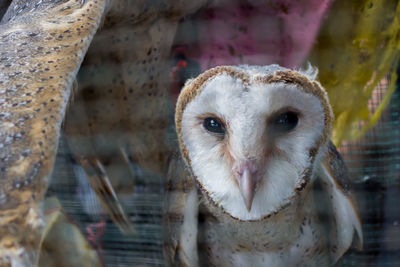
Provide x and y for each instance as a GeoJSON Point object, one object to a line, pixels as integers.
{"type": "Point", "coordinates": [247, 185]}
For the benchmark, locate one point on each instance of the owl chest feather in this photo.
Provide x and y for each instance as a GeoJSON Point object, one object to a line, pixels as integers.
{"type": "Point", "coordinates": [292, 237]}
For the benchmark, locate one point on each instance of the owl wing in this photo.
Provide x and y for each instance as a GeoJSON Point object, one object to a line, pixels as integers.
{"type": "Point", "coordinates": [42, 46]}
{"type": "Point", "coordinates": [99, 181]}
{"type": "Point", "coordinates": [337, 187]}
{"type": "Point", "coordinates": [180, 216]}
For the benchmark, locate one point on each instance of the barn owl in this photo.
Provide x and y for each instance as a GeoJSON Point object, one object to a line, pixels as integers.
{"type": "Point", "coordinates": [258, 182]}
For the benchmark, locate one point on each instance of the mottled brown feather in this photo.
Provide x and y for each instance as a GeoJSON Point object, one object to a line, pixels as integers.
{"type": "Point", "coordinates": [40, 52]}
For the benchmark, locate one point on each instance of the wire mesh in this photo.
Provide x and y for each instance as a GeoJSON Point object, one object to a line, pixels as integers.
{"type": "Point", "coordinates": [373, 162]}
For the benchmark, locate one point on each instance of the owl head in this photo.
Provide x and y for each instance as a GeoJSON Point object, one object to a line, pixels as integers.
{"type": "Point", "coordinates": [251, 135]}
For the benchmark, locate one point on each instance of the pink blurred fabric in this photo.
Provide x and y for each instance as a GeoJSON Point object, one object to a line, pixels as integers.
{"type": "Point", "coordinates": [257, 32]}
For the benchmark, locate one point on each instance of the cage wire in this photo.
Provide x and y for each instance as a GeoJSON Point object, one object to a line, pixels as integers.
{"type": "Point", "coordinates": [373, 162]}
{"type": "Point", "coordinates": [374, 165]}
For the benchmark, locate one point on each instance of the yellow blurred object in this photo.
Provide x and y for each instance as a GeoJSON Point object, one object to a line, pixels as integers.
{"type": "Point", "coordinates": [358, 45]}
{"type": "Point", "coordinates": [62, 242]}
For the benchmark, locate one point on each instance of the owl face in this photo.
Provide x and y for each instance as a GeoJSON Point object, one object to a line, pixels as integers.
{"type": "Point", "coordinates": [249, 142]}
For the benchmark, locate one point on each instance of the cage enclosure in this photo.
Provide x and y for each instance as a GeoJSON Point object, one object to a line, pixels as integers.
{"type": "Point", "coordinates": [88, 141]}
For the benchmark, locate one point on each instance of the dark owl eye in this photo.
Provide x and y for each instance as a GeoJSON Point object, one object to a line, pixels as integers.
{"type": "Point", "coordinates": [214, 125]}
{"type": "Point", "coordinates": [285, 122]}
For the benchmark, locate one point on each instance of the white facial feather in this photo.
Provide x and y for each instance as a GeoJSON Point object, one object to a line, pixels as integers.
{"type": "Point", "coordinates": [246, 109]}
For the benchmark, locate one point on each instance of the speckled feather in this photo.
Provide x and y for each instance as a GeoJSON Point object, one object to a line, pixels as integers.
{"type": "Point", "coordinates": [40, 52]}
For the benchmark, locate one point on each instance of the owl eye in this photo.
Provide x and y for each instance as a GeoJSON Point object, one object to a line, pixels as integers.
{"type": "Point", "coordinates": [214, 125]}
{"type": "Point", "coordinates": [285, 122]}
